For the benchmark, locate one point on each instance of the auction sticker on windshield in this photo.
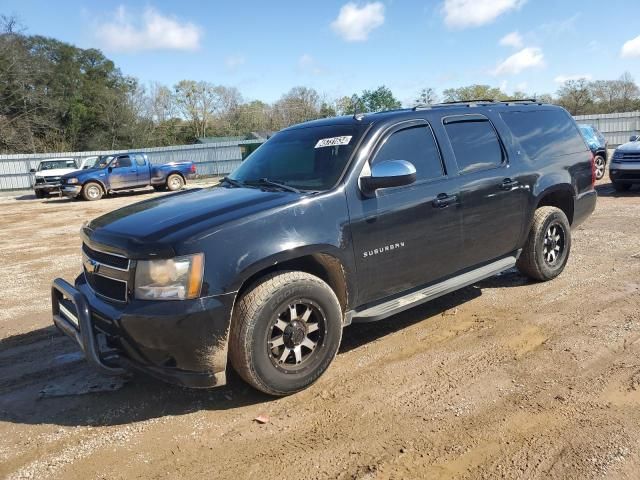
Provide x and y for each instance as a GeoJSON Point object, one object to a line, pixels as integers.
{"type": "Point", "coordinates": [333, 141]}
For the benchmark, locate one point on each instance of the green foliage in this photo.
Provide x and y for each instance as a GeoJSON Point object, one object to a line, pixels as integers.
{"type": "Point", "coordinates": [376, 100]}
{"type": "Point", "coordinates": [474, 92]}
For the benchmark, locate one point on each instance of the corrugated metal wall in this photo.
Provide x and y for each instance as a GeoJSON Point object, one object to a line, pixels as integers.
{"type": "Point", "coordinates": [210, 159]}
{"type": "Point", "coordinates": [616, 127]}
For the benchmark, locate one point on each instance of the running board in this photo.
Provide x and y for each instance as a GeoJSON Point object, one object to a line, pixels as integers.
{"type": "Point", "coordinates": [397, 305]}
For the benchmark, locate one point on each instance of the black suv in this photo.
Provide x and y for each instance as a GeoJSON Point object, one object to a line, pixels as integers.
{"type": "Point", "coordinates": [334, 221]}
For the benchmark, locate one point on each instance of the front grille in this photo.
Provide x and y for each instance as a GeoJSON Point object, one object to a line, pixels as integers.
{"type": "Point", "coordinates": [106, 258]}
{"type": "Point", "coordinates": [632, 156]}
{"type": "Point", "coordinates": [107, 287]}
{"type": "Point", "coordinates": [107, 274]}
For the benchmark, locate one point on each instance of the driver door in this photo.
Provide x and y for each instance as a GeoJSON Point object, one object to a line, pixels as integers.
{"type": "Point", "coordinates": [122, 173]}
{"type": "Point", "coordinates": [404, 237]}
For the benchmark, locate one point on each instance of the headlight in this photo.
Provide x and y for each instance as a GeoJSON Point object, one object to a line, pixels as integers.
{"type": "Point", "coordinates": [72, 180]}
{"type": "Point", "coordinates": [178, 278]}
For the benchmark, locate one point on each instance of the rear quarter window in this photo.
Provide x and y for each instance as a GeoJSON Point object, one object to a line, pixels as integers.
{"type": "Point", "coordinates": [545, 133]}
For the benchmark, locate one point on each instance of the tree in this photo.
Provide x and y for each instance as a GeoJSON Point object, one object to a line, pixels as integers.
{"type": "Point", "coordinates": [474, 92]}
{"type": "Point", "coordinates": [377, 100]}
{"type": "Point", "coordinates": [575, 96]}
{"type": "Point", "coordinates": [346, 105]}
{"type": "Point", "coordinates": [297, 105]}
{"type": "Point", "coordinates": [427, 96]}
{"type": "Point", "coordinates": [198, 102]}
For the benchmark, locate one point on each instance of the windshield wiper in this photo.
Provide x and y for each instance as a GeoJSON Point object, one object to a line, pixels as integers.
{"type": "Point", "coordinates": [272, 183]}
{"type": "Point", "coordinates": [231, 181]}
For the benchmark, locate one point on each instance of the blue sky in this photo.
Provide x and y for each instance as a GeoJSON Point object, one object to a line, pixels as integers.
{"type": "Point", "coordinates": [341, 47]}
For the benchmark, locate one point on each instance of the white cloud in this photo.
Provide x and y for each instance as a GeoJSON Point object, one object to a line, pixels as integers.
{"type": "Point", "coordinates": [308, 64]}
{"type": "Point", "coordinates": [233, 62]}
{"type": "Point", "coordinates": [354, 23]}
{"type": "Point", "coordinates": [566, 78]}
{"type": "Point", "coordinates": [151, 31]}
{"type": "Point", "coordinates": [474, 13]}
{"type": "Point", "coordinates": [631, 48]}
{"type": "Point", "coordinates": [513, 39]}
{"type": "Point", "coordinates": [530, 57]}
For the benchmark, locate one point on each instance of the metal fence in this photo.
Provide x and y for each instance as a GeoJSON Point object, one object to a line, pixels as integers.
{"type": "Point", "coordinates": [210, 159]}
{"type": "Point", "coordinates": [616, 127]}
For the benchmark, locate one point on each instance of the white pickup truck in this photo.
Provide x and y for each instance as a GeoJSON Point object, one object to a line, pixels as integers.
{"type": "Point", "coordinates": [47, 175]}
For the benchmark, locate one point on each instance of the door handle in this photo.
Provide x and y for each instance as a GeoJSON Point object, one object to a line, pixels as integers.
{"type": "Point", "coordinates": [509, 184]}
{"type": "Point", "coordinates": [443, 200]}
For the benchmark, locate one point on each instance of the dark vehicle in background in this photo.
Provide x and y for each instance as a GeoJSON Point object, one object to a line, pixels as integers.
{"type": "Point", "coordinates": [334, 221]}
{"type": "Point", "coordinates": [598, 146]}
{"type": "Point", "coordinates": [624, 170]}
{"type": "Point", "coordinates": [128, 171]}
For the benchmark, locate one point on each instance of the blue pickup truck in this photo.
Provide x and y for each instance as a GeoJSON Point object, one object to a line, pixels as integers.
{"type": "Point", "coordinates": [125, 172]}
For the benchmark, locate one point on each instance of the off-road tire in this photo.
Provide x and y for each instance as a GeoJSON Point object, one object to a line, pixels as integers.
{"type": "Point", "coordinates": [621, 187]}
{"type": "Point", "coordinates": [253, 314]}
{"type": "Point", "coordinates": [174, 182]}
{"type": "Point", "coordinates": [532, 262]}
{"type": "Point", "coordinates": [39, 194]}
{"type": "Point", "coordinates": [92, 191]}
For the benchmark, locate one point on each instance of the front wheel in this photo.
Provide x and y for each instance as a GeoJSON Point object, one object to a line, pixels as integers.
{"type": "Point", "coordinates": [174, 182]}
{"type": "Point", "coordinates": [546, 251]}
{"type": "Point", "coordinates": [92, 191]}
{"type": "Point", "coordinates": [285, 332]}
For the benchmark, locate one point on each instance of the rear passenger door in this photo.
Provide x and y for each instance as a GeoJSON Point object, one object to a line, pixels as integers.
{"type": "Point", "coordinates": [493, 192]}
{"type": "Point", "coordinates": [404, 237]}
{"type": "Point", "coordinates": [142, 165]}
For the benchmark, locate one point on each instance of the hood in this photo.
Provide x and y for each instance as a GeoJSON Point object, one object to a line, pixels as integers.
{"type": "Point", "coordinates": [157, 223]}
{"type": "Point", "coordinates": [79, 173]}
{"type": "Point", "coordinates": [629, 147]}
{"type": "Point", "coordinates": [55, 172]}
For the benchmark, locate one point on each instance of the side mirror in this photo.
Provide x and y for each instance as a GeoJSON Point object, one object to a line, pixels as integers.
{"type": "Point", "coordinates": [390, 173]}
{"type": "Point", "coordinates": [110, 169]}
{"type": "Point", "coordinates": [33, 170]}
{"type": "Point", "coordinates": [634, 138]}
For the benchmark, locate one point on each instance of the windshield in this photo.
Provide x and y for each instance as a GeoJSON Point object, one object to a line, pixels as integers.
{"type": "Point", "coordinates": [100, 162]}
{"type": "Point", "coordinates": [54, 164]}
{"type": "Point", "coordinates": [310, 158]}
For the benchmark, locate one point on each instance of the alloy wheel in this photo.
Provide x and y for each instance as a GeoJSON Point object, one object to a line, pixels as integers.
{"type": "Point", "coordinates": [295, 334]}
{"type": "Point", "coordinates": [554, 243]}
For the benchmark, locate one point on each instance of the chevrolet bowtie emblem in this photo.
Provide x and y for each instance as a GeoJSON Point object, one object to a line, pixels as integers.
{"type": "Point", "coordinates": [92, 265]}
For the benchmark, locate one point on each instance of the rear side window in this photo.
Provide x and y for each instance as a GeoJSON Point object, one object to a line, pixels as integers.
{"type": "Point", "coordinates": [140, 160]}
{"type": "Point", "coordinates": [545, 133]}
{"type": "Point", "coordinates": [474, 142]}
{"type": "Point", "coordinates": [124, 162]}
{"type": "Point", "coordinates": [415, 145]}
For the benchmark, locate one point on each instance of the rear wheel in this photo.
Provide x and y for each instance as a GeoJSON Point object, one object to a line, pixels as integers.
{"type": "Point", "coordinates": [546, 252]}
{"type": "Point", "coordinates": [92, 191]}
{"type": "Point", "coordinates": [600, 165]}
{"type": "Point", "coordinates": [285, 332]}
{"type": "Point", "coordinates": [621, 187]}
{"type": "Point", "coordinates": [174, 182]}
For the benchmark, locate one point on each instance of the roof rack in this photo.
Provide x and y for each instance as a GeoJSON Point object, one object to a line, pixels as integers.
{"type": "Point", "coordinates": [474, 102]}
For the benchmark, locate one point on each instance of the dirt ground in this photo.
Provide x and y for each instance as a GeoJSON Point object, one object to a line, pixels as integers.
{"type": "Point", "coordinates": [504, 379]}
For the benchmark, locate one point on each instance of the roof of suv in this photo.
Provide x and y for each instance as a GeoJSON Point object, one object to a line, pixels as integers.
{"type": "Point", "coordinates": [408, 113]}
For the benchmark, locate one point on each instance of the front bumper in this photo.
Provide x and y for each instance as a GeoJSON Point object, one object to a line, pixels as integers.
{"type": "Point", "coordinates": [47, 187]}
{"type": "Point", "coordinates": [71, 190]}
{"type": "Point", "coordinates": [180, 342]}
{"type": "Point", "coordinates": [625, 172]}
